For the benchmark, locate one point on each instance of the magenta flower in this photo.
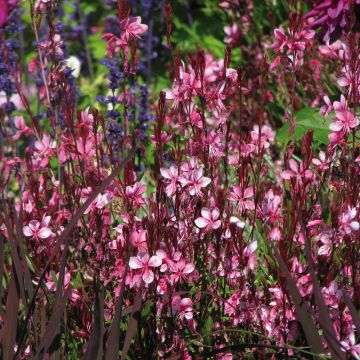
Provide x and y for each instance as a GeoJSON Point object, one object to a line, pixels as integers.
{"type": "Point", "coordinates": [322, 163]}
{"type": "Point", "coordinates": [332, 16]}
{"type": "Point", "coordinates": [134, 194]}
{"type": "Point", "coordinates": [209, 220]}
{"type": "Point", "coordinates": [347, 221]}
{"type": "Point", "coordinates": [46, 146]}
{"type": "Point", "coordinates": [144, 263]}
{"type": "Point", "coordinates": [195, 182]}
{"type": "Point", "coordinates": [51, 285]}
{"type": "Point", "coordinates": [242, 198]}
{"type": "Point", "coordinates": [344, 121]}
{"type": "Point", "coordinates": [351, 346]}
{"type": "Point", "coordinates": [132, 28]}
{"type": "Point", "coordinates": [299, 173]}
{"type": "Point", "coordinates": [114, 44]}
{"type": "Point", "coordinates": [183, 307]}
{"type": "Point", "coordinates": [180, 270]}
{"type": "Point", "coordinates": [21, 127]}
{"type": "Point", "coordinates": [36, 231]}
{"type": "Point", "coordinates": [172, 175]}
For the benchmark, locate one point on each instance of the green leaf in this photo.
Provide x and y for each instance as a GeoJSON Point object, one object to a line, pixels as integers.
{"type": "Point", "coordinates": [54, 162]}
{"type": "Point", "coordinates": [307, 119]}
{"type": "Point", "coordinates": [97, 46]}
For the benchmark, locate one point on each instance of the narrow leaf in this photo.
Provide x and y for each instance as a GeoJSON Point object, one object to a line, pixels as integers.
{"type": "Point", "coordinates": [308, 325]}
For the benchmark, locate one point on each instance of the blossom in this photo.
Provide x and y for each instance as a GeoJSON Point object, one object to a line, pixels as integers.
{"type": "Point", "coordinates": [132, 28]}
{"type": "Point", "coordinates": [51, 285]}
{"type": "Point", "coordinates": [45, 147]}
{"type": "Point", "coordinates": [35, 230]}
{"type": "Point", "coordinates": [172, 175]}
{"type": "Point", "coordinates": [114, 44]}
{"type": "Point", "coordinates": [344, 121]}
{"type": "Point", "coordinates": [347, 221]}
{"type": "Point", "coordinates": [144, 263]}
{"type": "Point", "coordinates": [322, 163]}
{"type": "Point", "coordinates": [299, 173]}
{"type": "Point", "coordinates": [180, 270]}
{"type": "Point", "coordinates": [351, 346]}
{"type": "Point", "coordinates": [134, 194]}
{"type": "Point", "coordinates": [332, 16]}
{"type": "Point", "coordinates": [184, 307]}
{"type": "Point", "coordinates": [195, 182]}
{"type": "Point", "coordinates": [242, 198]}
{"type": "Point", "coordinates": [209, 219]}
{"type": "Point", "coordinates": [21, 128]}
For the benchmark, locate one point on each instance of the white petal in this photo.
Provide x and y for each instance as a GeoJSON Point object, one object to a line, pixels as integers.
{"type": "Point", "coordinates": [45, 232]}
{"type": "Point", "coordinates": [148, 276]}
{"type": "Point", "coordinates": [201, 222]}
{"type": "Point", "coordinates": [154, 261]}
{"type": "Point", "coordinates": [135, 263]}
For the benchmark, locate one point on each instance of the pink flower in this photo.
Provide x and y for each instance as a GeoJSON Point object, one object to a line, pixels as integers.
{"type": "Point", "coordinates": [240, 196]}
{"type": "Point", "coordinates": [45, 146]}
{"type": "Point", "coordinates": [35, 231]}
{"type": "Point", "coordinates": [347, 221]}
{"type": "Point", "coordinates": [86, 146]}
{"type": "Point", "coordinates": [351, 346]}
{"type": "Point", "coordinates": [209, 219]}
{"type": "Point", "coordinates": [134, 194]}
{"type": "Point", "coordinates": [195, 182]}
{"type": "Point", "coordinates": [51, 285]}
{"type": "Point", "coordinates": [321, 163]}
{"type": "Point", "coordinates": [233, 33]}
{"type": "Point", "coordinates": [114, 44]}
{"type": "Point", "coordinates": [132, 28]}
{"type": "Point", "coordinates": [144, 263]}
{"type": "Point", "coordinates": [298, 173]}
{"type": "Point", "coordinates": [180, 270]}
{"type": "Point", "coordinates": [172, 175]}
{"type": "Point", "coordinates": [266, 135]}
{"type": "Point", "coordinates": [275, 234]}
{"type": "Point", "coordinates": [183, 307]}
{"type": "Point", "coordinates": [22, 129]}
{"type": "Point", "coordinates": [235, 220]}
{"type": "Point", "coordinates": [344, 121]}
{"type": "Point", "coordinates": [325, 248]}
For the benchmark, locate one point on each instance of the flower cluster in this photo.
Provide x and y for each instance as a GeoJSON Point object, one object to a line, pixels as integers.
{"type": "Point", "coordinates": [210, 219]}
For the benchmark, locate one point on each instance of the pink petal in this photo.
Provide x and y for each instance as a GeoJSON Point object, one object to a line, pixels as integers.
{"type": "Point", "coordinates": [135, 263]}
{"type": "Point", "coordinates": [355, 225]}
{"type": "Point", "coordinates": [148, 276]}
{"type": "Point", "coordinates": [248, 192]}
{"type": "Point", "coordinates": [34, 225]}
{"type": "Point", "coordinates": [154, 261]}
{"type": "Point", "coordinates": [45, 232]}
{"type": "Point", "coordinates": [249, 204]}
{"type": "Point", "coordinates": [27, 231]}
{"type": "Point", "coordinates": [201, 222]}
{"type": "Point", "coordinates": [166, 173]}
{"type": "Point", "coordinates": [215, 213]}
{"type": "Point", "coordinates": [343, 81]}
{"type": "Point", "coordinates": [204, 181]}
{"type": "Point", "coordinates": [287, 174]}
{"type": "Point", "coordinates": [293, 165]}
{"type": "Point", "coordinates": [216, 224]}
{"type": "Point", "coordinates": [336, 126]}
{"type": "Point", "coordinates": [205, 212]}
{"type": "Point", "coordinates": [188, 269]}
